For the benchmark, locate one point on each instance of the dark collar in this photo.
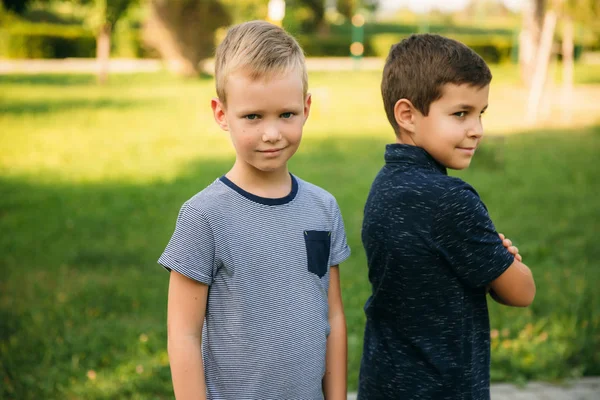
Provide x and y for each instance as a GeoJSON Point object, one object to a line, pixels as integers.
{"type": "Point", "coordinates": [397, 153]}
{"type": "Point", "coordinates": [264, 200]}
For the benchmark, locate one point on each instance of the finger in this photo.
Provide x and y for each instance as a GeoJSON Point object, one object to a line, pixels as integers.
{"type": "Point", "coordinates": [519, 258]}
{"type": "Point", "coordinates": [513, 250]}
{"type": "Point", "coordinates": [502, 236]}
{"type": "Point", "coordinates": [507, 242]}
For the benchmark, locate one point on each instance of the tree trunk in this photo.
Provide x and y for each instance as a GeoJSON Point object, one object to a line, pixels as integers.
{"type": "Point", "coordinates": [103, 52]}
{"type": "Point", "coordinates": [183, 32]}
{"type": "Point", "coordinates": [568, 66]}
{"type": "Point", "coordinates": [529, 38]}
{"type": "Point", "coordinates": [542, 60]}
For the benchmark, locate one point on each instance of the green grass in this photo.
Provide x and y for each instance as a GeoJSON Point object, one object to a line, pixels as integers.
{"type": "Point", "coordinates": [92, 178]}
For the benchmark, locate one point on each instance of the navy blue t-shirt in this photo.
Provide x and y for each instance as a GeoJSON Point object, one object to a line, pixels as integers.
{"type": "Point", "coordinates": [431, 249]}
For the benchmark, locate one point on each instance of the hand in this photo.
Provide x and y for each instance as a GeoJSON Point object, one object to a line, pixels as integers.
{"type": "Point", "coordinates": [511, 249]}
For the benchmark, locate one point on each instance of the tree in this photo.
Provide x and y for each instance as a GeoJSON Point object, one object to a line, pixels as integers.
{"type": "Point", "coordinates": [582, 12]}
{"type": "Point", "coordinates": [183, 32]}
{"type": "Point", "coordinates": [346, 7]}
{"type": "Point", "coordinates": [103, 16]}
{"type": "Point", "coordinates": [529, 38]}
{"type": "Point", "coordinates": [17, 6]}
{"type": "Point", "coordinates": [536, 48]}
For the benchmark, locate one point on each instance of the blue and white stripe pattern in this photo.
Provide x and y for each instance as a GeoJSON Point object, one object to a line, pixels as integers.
{"type": "Point", "coordinates": [266, 323]}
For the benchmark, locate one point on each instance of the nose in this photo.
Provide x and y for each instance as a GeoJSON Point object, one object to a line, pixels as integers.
{"type": "Point", "coordinates": [271, 133]}
{"type": "Point", "coordinates": [476, 131]}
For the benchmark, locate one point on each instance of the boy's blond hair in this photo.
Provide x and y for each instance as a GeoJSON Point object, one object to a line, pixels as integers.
{"type": "Point", "coordinates": [259, 49]}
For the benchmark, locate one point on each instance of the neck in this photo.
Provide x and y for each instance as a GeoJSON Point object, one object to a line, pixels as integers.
{"type": "Point", "coordinates": [268, 184]}
{"type": "Point", "coordinates": [404, 138]}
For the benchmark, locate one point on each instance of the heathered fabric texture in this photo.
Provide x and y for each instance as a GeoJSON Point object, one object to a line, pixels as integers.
{"type": "Point", "coordinates": [267, 263]}
{"type": "Point", "coordinates": [431, 249]}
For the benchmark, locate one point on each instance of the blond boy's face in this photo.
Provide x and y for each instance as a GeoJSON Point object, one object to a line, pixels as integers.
{"type": "Point", "coordinates": [452, 130]}
{"type": "Point", "coordinates": [265, 118]}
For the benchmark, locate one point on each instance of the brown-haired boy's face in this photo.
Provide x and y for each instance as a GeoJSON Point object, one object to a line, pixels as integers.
{"type": "Point", "coordinates": [452, 130]}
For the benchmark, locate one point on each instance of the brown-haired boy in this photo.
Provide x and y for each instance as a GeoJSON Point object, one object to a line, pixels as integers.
{"type": "Point", "coordinates": [432, 249]}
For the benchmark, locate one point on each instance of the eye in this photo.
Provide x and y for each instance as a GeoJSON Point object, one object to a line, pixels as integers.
{"type": "Point", "coordinates": [287, 115]}
{"type": "Point", "coordinates": [251, 117]}
{"type": "Point", "coordinates": [460, 114]}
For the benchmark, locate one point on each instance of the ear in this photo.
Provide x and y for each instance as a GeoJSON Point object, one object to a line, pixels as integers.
{"type": "Point", "coordinates": [219, 113]}
{"type": "Point", "coordinates": [405, 113]}
{"type": "Point", "coordinates": [307, 103]}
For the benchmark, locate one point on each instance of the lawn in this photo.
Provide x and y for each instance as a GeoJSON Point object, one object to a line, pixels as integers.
{"type": "Point", "coordinates": [92, 178]}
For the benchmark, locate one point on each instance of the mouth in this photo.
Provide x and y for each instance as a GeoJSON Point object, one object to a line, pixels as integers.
{"type": "Point", "coordinates": [271, 151]}
{"type": "Point", "coordinates": [468, 149]}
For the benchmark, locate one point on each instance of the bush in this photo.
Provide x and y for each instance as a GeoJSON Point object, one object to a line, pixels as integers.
{"type": "Point", "coordinates": [493, 49]}
{"type": "Point", "coordinates": [46, 41]}
{"type": "Point", "coordinates": [329, 46]}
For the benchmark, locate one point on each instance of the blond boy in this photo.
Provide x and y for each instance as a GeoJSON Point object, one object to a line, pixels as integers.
{"type": "Point", "coordinates": [255, 309]}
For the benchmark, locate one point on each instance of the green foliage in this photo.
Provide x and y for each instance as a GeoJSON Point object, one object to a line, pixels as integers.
{"type": "Point", "coordinates": [246, 10]}
{"type": "Point", "coordinates": [328, 46]}
{"type": "Point", "coordinates": [346, 7]}
{"type": "Point", "coordinates": [493, 49]}
{"type": "Point", "coordinates": [25, 40]}
{"type": "Point", "coordinates": [17, 6]}
{"type": "Point", "coordinates": [92, 179]}
{"type": "Point", "coordinates": [100, 12]}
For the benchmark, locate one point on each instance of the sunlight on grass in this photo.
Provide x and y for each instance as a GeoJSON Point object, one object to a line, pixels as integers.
{"type": "Point", "coordinates": [151, 127]}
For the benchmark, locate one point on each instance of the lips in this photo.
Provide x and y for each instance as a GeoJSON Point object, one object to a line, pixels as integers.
{"type": "Point", "coordinates": [270, 150]}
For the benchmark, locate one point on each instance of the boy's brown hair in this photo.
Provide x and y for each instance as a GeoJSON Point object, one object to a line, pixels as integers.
{"type": "Point", "coordinates": [259, 49]}
{"type": "Point", "coordinates": [419, 66]}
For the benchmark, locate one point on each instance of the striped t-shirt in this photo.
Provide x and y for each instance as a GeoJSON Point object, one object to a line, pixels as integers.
{"type": "Point", "coordinates": [267, 264]}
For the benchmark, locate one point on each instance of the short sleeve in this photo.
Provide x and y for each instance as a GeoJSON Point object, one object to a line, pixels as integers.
{"type": "Point", "coordinates": [340, 250]}
{"type": "Point", "coordinates": [191, 248]}
{"type": "Point", "coordinates": [467, 239]}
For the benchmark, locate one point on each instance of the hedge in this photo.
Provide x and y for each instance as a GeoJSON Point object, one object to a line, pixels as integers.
{"type": "Point", "coordinates": [46, 41]}
{"type": "Point", "coordinates": [60, 41]}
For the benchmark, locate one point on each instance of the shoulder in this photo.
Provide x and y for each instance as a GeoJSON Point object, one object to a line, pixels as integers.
{"type": "Point", "coordinates": [315, 193]}
{"type": "Point", "coordinates": [207, 204]}
{"type": "Point", "coordinates": [210, 198]}
{"type": "Point", "coordinates": [456, 193]}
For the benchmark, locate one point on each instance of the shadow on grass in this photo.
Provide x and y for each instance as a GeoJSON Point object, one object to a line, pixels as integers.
{"type": "Point", "coordinates": [43, 106]}
{"type": "Point", "coordinates": [83, 302]}
{"type": "Point", "coordinates": [75, 80]}
{"type": "Point", "coordinates": [48, 79]}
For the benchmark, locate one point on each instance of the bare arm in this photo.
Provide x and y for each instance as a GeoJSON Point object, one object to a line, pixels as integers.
{"type": "Point", "coordinates": [186, 311]}
{"type": "Point", "coordinates": [515, 287]}
{"type": "Point", "coordinates": [334, 382]}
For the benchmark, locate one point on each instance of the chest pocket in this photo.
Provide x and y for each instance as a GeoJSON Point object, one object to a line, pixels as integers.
{"type": "Point", "coordinates": [318, 246]}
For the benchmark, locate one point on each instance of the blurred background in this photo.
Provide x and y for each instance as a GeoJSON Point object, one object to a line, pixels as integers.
{"type": "Point", "coordinates": [106, 129]}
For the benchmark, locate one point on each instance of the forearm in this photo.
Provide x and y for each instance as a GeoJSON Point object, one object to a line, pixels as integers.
{"type": "Point", "coordinates": [334, 382]}
{"type": "Point", "coordinates": [187, 369]}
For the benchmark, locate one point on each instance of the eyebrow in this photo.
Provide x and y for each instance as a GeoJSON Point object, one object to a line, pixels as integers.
{"type": "Point", "coordinates": [469, 107]}
{"type": "Point", "coordinates": [282, 110]}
